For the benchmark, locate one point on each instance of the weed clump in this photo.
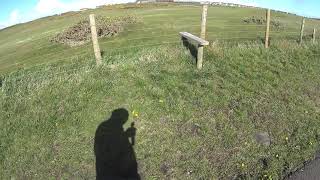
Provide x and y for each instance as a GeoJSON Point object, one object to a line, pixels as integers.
{"type": "Point", "coordinates": [261, 21]}
{"type": "Point", "coordinates": [80, 33]}
{"type": "Point", "coordinates": [1, 81]}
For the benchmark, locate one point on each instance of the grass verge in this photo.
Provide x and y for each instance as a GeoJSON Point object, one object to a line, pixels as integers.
{"type": "Point", "coordinates": [191, 124]}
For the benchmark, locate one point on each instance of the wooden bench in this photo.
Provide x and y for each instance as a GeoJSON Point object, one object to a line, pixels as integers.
{"type": "Point", "coordinates": [200, 44]}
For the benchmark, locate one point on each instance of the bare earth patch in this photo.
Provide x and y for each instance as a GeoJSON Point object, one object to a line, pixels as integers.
{"type": "Point", "coordinates": [106, 27]}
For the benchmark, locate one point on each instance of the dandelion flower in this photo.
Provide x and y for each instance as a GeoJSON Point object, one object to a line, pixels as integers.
{"type": "Point", "coordinates": [135, 114]}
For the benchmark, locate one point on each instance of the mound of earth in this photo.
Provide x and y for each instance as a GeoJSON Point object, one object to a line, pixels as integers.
{"type": "Point", "coordinates": [80, 33]}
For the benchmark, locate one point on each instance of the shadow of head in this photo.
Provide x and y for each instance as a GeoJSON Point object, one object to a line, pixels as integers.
{"type": "Point", "coordinates": [119, 116]}
{"type": "Point", "coordinates": [115, 156]}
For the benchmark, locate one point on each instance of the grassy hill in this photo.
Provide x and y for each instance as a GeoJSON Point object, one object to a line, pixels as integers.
{"type": "Point", "coordinates": [28, 44]}
{"type": "Point", "coordinates": [190, 124]}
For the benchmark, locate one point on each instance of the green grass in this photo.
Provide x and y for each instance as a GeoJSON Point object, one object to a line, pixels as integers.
{"type": "Point", "coordinates": [196, 124]}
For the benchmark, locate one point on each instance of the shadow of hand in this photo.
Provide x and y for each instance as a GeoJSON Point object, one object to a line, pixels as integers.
{"type": "Point", "coordinates": [131, 133]}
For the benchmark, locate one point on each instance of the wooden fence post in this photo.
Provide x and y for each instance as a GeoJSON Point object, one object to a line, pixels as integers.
{"type": "Point", "coordinates": [302, 30]}
{"type": "Point", "coordinates": [200, 57]}
{"type": "Point", "coordinates": [95, 42]}
{"type": "Point", "coordinates": [314, 36]}
{"type": "Point", "coordinates": [204, 21]}
{"type": "Point", "coordinates": [202, 35]}
{"type": "Point", "coordinates": [266, 42]}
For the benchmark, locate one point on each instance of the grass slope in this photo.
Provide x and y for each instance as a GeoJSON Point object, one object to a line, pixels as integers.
{"type": "Point", "coordinates": [191, 124]}
{"type": "Point", "coordinates": [28, 44]}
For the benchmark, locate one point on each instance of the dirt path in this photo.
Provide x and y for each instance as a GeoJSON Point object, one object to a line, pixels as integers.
{"type": "Point", "coordinates": [311, 171]}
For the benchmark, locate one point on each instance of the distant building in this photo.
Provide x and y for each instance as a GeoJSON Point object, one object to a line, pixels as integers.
{"type": "Point", "coordinates": [196, 2]}
{"type": "Point", "coordinates": [210, 3]}
{"type": "Point", "coordinates": [152, 1]}
{"type": "Point", "coordinates": [145, 1]}
{"type": "Point", "coordinates": [164, 0]}
{"type": "Point", "coordinates": [229, 4]}
{"type": "Point", "coordinates": [186, 1]}
{"type": "Point", "coordinates": [84, 9]}
{"type": "Point", "coordinates": [102, 6]}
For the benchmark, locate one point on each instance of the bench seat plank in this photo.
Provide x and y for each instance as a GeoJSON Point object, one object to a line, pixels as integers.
{"type": "Point", "coordinates": [192, 37]}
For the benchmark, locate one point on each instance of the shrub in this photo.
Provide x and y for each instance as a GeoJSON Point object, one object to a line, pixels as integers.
{"type": "Point", "coordinates": [260, 21]}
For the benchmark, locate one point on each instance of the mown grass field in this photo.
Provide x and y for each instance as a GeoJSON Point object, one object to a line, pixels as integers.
{"type": "Point", "coordinates": [191, 124]}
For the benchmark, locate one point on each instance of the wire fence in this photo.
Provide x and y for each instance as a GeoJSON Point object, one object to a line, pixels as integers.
{"type": "Point", "coordinates": [232, 28]}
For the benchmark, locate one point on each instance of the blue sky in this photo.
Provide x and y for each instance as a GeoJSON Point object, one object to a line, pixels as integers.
{"type": "Point", "coordinates": [10, 8]}
{"type": "Point", "coordinates": [17, 11]}
{"type": "Point", "coordinates": [309, 8]}
{"type": "Point", "coordinates": [7, 6]}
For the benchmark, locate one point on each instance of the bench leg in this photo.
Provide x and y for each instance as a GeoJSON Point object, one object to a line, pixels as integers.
{"type": "Point", "coordinates": [200, 57]}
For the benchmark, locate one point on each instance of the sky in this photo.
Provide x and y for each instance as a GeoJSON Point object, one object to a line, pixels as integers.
{"type": "Point", "coordinates": [17, 11]}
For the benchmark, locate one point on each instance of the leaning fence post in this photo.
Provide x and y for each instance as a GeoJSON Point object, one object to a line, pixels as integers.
{"type": "Point", "coordinates": [314, 36]}
{"type": "Point", "coordinates": [302, 30]}
{"type": "Point", "coordinates": [95, 42]}
{"type": "Point", "coordinates": [266, 42]}
{"type": "Point", "coordinates": [202, 35]}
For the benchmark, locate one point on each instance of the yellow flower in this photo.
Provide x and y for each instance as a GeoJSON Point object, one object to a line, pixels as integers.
{"type": "Point", "coordinates": [161, 101]}
{"type": "Point", "coordinates": [287, 138]}
{"type": "Point", "coordinates": [135, 114]}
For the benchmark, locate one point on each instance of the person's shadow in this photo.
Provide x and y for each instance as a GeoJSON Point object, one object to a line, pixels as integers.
{"type": "Point", "coordinates": [115, 156]}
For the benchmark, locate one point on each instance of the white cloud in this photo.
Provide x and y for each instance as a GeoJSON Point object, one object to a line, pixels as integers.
{"type": "Point", "coordinates": [14, 18]}
{"type": "Point", "coordinates": [49, 7]}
